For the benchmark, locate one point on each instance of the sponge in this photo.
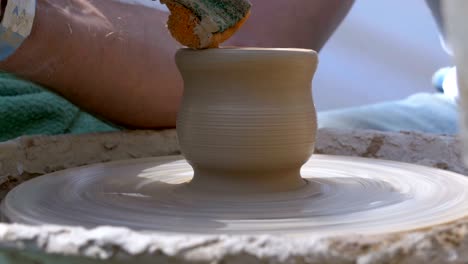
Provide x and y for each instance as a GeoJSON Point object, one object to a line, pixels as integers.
{"type": "Point", "coordinates": [201, 24]}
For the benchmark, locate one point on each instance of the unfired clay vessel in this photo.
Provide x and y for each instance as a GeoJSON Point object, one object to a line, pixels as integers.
{"type": "Point", "coordinates": [247, 120]}
{"type": "Point", "coordinates": [247, 126]}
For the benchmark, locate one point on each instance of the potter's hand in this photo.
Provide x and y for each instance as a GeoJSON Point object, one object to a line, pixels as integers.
{"type": "Point", "coordinates": [200, 24]}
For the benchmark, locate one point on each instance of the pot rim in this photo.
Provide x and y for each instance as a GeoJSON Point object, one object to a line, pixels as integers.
{"type": "Point", "coordinates": [257, 50]}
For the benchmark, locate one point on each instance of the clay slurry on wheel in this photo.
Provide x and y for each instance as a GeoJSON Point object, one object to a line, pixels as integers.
{"type": "Point", "coordinates": [343, 195]}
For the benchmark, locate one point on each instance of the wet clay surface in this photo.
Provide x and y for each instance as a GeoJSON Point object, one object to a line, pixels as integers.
{"type": "Point", "coordinates": [343, 195]}
{"type": "Point", "coordinates": [37, 155]}
{"type": "Point", "coordinates": [247, 118]}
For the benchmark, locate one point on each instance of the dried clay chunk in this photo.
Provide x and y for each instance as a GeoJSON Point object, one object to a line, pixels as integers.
{"type": "Point", "coordinates": [201, 24]}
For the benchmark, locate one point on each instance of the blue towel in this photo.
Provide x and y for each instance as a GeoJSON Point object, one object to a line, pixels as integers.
{"type": "Point", "coordinates": [434, 113]}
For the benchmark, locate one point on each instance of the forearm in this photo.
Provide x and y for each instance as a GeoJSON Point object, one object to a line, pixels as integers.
{"type": "Point", "coordinates": [112, 59]}
{"type": "Point", "coordinates": [117, 60]}
{"type": "Point", "coordinates": [292, 23]}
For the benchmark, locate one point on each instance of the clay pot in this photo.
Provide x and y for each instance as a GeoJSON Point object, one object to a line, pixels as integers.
{"type": "Point", "coordinates": [247, 120]}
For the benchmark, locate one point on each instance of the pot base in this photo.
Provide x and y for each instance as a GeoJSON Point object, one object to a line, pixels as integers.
{"type": "Point", "coordinates": [247, 183]}
{"type": "Point", "coordinates": [343, 195]}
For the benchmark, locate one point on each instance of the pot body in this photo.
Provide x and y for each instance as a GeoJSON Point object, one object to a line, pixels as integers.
{"type": "Point", "coordinates": [247, 112]}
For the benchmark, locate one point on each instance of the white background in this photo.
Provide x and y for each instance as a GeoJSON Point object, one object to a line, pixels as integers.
{"type": "Point", "coordinates": [384, 50]}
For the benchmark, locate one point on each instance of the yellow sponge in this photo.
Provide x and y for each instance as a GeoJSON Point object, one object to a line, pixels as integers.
{"type": "Point", "coordinates": [201, 24]}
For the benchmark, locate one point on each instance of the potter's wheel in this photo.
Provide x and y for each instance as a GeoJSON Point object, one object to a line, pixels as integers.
{"type": "Point", "coordinates": [344, 195]}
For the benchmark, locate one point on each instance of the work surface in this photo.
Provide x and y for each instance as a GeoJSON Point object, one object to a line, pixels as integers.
{"type": "Point", "coordinates": [30, 157]}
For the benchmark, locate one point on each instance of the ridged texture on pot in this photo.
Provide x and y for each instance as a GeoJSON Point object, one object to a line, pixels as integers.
{"type": "Point", "coordinates": [247, 114]}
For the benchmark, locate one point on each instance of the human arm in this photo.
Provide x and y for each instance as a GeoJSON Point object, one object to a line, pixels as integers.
{"type": "Point", "coordinates": [292, 24]}
{"type": "Point", "coordinates": [109, 58]}
{"type": "Point", "coordinates": [116, 60]}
